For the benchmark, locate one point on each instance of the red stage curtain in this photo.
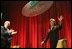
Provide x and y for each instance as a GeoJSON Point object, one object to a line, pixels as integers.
{"type": "Point", "coordinates": [32, 30]}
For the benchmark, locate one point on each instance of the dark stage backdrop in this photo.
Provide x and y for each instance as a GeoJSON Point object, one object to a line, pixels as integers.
{"type": "Point", "coordinates": [32, 30]}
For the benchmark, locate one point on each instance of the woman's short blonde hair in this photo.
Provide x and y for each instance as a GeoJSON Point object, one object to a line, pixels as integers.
{"type": "Point", "coordinates": [52, 19]}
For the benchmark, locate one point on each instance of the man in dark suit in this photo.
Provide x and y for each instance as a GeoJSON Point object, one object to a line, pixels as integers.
{"type": "Point", "coordinates": [53, 32]}
{"type": "Point", "coordinates": [6, 35]}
